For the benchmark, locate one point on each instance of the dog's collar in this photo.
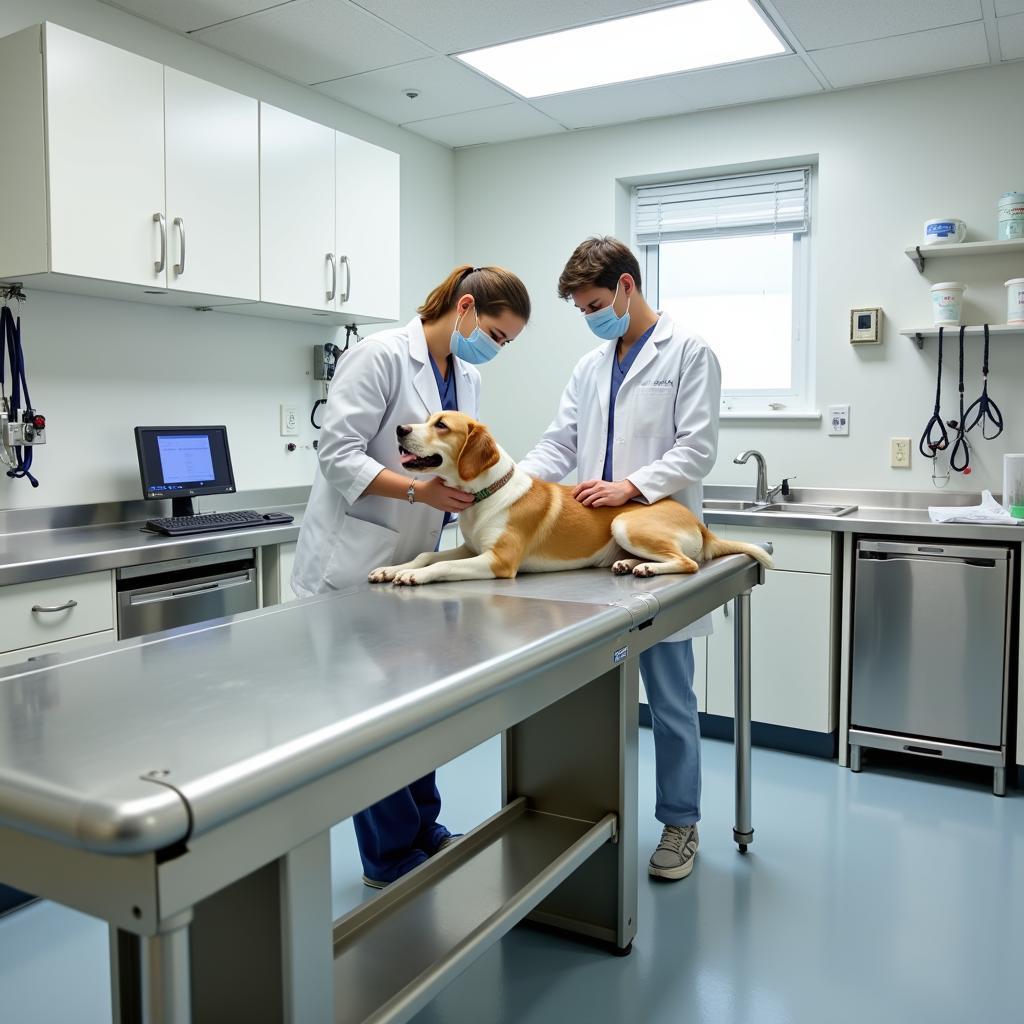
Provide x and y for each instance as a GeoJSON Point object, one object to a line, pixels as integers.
{"type": "Point", "coordinates": [479, 496]}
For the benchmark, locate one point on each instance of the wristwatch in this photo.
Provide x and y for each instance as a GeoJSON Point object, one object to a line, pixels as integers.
{"type": "Point", "coordinates": [411, 492]}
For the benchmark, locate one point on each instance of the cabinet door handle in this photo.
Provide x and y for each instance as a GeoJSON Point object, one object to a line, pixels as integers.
{"type": "Point", "coordinates": [725, 610]}
{"type": "Point", "coordinates": [348, 278]}
{"type": "Point", "coordinates": [47, 608]}
{"type": "Point", "coordinates": [179, 223]}
{"type": "Point", "coordinates": [158, 265]}
{"type": "Point", "coordinates": [334, 277]}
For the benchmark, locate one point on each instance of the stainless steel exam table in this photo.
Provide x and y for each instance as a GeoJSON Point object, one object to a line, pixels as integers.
{"type": "Point", "coordinates": [182, 787]}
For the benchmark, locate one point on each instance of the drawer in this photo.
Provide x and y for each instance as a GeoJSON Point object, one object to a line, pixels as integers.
{"type": "Point", "coordinates": [58, 647]}
{"type": "Point", "coordinates": [795, 550]}
{"type": "Point", "coordinates": [92, 612]}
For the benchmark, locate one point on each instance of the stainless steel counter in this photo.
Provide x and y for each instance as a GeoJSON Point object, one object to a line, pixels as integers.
{"type": "Point", "coordinates": [890, 513]}
{"type": "Point", "coordinates": [67, 551]}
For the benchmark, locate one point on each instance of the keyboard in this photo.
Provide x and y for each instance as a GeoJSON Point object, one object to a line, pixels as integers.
{"type": "Point", "coordinates": [175, 526]}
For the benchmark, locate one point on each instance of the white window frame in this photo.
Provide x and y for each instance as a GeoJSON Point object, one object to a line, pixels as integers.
{"type": "Point", "coordinates": [796, 401]}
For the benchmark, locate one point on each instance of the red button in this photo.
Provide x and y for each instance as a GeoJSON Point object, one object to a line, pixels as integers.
{"type": "Point", "coordinates": [39, 422]}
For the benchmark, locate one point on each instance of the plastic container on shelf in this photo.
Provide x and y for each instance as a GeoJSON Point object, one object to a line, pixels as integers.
{"type": "Point", "coordinates": [944, 229]}
{"type": "Point", "coordinates": [1011, 215]}
{"type": "Point", "coordinates": [1013, 484]}
{"type": "Point", "coordinates": [948, 303]}
{"type": "Point", "coordinates": [1015, 300]}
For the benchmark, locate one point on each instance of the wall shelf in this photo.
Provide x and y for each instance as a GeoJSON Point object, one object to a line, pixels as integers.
{"type": "Point", "coordinates": [919, 254]}
{"type": "Point", "coordinates": [919, 335]}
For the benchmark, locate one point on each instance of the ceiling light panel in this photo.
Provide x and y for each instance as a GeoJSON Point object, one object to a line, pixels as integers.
{"type": "Point", "coordinates": [704, 33]}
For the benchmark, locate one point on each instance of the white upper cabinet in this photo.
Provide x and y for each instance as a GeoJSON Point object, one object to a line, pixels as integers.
{"type": "Point", "coordinates": [105, 141]}
{"type": "Point", "coordinates": [297, 188]}
{"type": "Point", "coordinates": [213, 188]}
{"type": "Point", "coordinates": [367, 234]}
{"type": "Point", "coordinates": [129, 179]}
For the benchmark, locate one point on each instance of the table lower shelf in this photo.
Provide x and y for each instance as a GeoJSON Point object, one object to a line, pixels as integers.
{"type": "Point", "coordinates": [396, 952]}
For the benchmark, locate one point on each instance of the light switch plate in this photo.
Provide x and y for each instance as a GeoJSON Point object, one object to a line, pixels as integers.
{"type": "Point", "coordinates": [289, 420]}
{"type": "Point", "coordinates": [838, 420]}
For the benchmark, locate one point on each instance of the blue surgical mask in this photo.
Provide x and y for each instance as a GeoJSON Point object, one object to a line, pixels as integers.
{"type": "Point", "coordinates": [479, 347]}
{"type": "Point", "coordinates": [605, 324]}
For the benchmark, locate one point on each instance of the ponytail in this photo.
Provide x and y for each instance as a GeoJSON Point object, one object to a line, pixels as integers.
{"type": "Point", "coordinates": [493, 289]}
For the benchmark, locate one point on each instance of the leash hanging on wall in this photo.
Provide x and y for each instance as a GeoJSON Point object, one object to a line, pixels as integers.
{"type": "Point", "coordinates": [21, 429]}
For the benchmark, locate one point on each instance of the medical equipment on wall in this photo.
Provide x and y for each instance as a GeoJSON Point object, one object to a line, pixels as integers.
{"type": "Point", "coordinates": [325, 365]}
{"type": "Point", "coordinates": [21, 429]}
{"type": "Point", "coordinates": [960, 456]}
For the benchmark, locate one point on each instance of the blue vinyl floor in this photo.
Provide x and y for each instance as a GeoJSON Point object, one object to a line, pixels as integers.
{"type": "Point", "coordinates": [889, 896]}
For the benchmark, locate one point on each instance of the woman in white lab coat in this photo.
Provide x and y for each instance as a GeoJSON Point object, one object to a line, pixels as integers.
{"type": "Point", "coordinates": [639, 420]}
{"type": "Point", "coordinates": [365, 511]}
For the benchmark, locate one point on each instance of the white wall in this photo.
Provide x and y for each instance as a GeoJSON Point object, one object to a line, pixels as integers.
{"type": "Point", "coordinates": [98, 367]}
{"type": "Point", "coordinates": [890, 156]}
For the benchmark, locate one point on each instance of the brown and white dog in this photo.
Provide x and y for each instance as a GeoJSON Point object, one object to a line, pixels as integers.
{"type": "Point", "coordinates": [519, 524]}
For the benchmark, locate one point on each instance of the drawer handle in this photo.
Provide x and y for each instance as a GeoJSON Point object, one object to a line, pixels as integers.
{"type": "Point", "coordinates": [48, 608]}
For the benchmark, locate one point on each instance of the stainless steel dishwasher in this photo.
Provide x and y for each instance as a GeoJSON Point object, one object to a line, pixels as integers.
{"type": "Point", "coordinates": [182, 592]}
{"type": "Point", "coordinates": [931, 636]}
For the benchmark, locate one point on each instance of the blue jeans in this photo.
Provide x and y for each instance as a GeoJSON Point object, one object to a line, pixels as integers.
{"type": "Point", "coordinates": [667, 670]}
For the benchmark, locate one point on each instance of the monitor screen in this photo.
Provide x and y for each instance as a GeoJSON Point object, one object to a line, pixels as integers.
{"type": "Point", "coordinates": [181, 462]}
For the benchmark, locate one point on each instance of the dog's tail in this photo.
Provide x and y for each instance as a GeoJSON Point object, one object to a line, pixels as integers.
{"type": "Point", "coordinates": [715, 547]}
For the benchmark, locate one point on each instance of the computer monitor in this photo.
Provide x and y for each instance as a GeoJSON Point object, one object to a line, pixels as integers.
{"type": "Point", "coordinates": [182, 462]}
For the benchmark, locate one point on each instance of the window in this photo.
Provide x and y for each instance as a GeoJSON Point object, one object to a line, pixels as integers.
{"type": "Point", "coordinates": [728, 258]}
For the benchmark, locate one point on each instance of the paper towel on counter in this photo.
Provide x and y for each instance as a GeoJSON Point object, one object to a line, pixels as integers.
{"type": "Point", "coordinates": [989, 511]}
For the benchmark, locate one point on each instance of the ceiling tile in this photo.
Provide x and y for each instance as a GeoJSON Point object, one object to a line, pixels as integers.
{"type": "Point", "coordinates": [453, 26]}
{"type": "Point", "coordinates": [189, 15]}
{"type": "Point", "coordinates": [749, 82]}
{"type": "Point", "coordinates": [1005, 7]}
{"type": "Point", "coordinates": [921, 53]}
{"type": "Point", "coordinates": [444, 85]}
{"type": "Point", "coordinates": [836, 23]}
{"type": "Point", "coordinates": [314, 40]}
{"type": "Point", "coordinates": [1011, 37]}
{"type": "Point", "coordinates": [495, 124]}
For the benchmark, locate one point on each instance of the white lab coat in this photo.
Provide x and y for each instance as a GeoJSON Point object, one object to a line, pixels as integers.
{"type": "Point", "coordinates": [666, 423]}
{"type": "Point", "coordinates": [384, 381]}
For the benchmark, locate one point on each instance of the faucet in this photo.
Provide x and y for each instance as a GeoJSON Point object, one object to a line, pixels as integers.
{"type": "Point", "coordinates": [761, 493]}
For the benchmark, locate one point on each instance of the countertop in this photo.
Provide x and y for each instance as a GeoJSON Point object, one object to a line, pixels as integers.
{"type": "Point", "coordinates": [67, 551]}
{"type": "Point", "coordinates": [48, 552]}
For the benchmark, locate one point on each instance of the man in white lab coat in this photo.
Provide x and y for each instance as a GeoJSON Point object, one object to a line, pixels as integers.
{"type": "Point", "coordinates": [639, 420]}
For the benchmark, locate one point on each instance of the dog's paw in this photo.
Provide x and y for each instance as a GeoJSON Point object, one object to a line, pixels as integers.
{"type": "Point", "coordinates": [385, 574]}
{"type": "Point", "coordinates": [643, 569]}
{"type": "Point", "coordinates": [624, 566]}
{"type": "Point", "coordinates": [407, 578]}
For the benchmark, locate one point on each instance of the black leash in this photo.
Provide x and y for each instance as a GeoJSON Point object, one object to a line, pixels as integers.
{"type": "Point", "coordinates": [929, 446]}
{"type": "Point", "coordinates": [984, 410]}
{"type": "Point", "coordinates": [960, 457]}
{"type": "Point", "coordinates": [10, 343]}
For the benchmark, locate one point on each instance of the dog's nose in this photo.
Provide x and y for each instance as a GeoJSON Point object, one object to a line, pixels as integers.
{"type": "Point", "coordinates": [403, 431]}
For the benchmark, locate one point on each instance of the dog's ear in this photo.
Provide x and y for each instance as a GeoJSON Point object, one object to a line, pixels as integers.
{"type": "Point", "coordinates": [478, 454]}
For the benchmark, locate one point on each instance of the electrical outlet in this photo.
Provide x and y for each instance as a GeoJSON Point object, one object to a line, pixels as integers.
{"type": "Point", "coordinates": [838, 420]}
{"type": "Point", "coordinates": [289, 420]}
{"type": "Point", "coordinates": [899, 452]}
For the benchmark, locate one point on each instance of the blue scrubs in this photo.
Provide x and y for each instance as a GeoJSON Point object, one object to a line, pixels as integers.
{"type": "Point", "coordinates": [401, 831]}
{"type": "Point", "coordinates": [667, 671]}
{"type": "Point", "coordinates": [620, 370]}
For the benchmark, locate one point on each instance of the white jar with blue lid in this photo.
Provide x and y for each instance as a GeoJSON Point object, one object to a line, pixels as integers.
{"type": "Point", "coordinates": [944, 229]}
{"type": "Point", "coordinates": [1011, 216]}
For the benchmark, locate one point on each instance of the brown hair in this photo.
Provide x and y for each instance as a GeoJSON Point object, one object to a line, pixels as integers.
{"type": "Point", "coordinates": [493, 290]}
{"type": "Point", "coordinates": [599, 263]}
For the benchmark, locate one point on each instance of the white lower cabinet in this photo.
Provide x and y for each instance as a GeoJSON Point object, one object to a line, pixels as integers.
{"type": "Point", "coordinates": [285, 561]}
{"type": "Point", "coordinates": [790, 641]}
{"type": "Point", "coordinates": [29, 654]}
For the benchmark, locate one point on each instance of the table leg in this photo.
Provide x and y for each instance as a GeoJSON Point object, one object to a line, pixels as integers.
{"type": "Point", "coordinates": [164, 973]}
{"type": "Point", "coordinates": [743, 832]}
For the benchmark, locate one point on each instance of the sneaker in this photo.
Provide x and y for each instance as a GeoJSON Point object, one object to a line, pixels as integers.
{"type": "Point", "coordinates": [676, 852]}
{"type": "Point", "coordinates": [414, 860]}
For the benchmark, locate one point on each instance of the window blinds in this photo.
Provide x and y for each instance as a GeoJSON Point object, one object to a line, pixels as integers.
{"type": "Point", "coordinates": [741, 204]}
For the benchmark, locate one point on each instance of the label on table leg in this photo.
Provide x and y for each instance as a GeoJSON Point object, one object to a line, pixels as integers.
{"type": "Point", "coordinates": [620, 655]}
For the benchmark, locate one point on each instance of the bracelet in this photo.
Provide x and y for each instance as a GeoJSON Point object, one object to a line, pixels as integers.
{"type": "Point", "coordinates": [410, 492]}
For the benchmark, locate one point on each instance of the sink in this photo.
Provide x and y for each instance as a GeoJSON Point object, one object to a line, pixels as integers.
{"type": "Point", "coordinates": [726, 505]}
{"type": "Point", "coordinates": [803, 508]}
